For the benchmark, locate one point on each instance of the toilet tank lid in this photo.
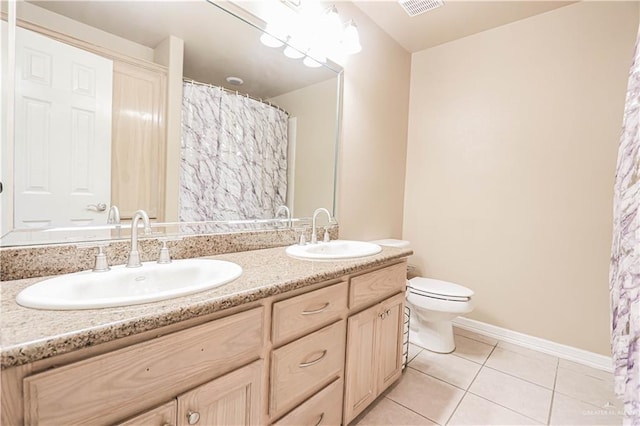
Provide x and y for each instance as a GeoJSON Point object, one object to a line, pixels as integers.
{"type": "Point", "coordinates": [390, 242]}
{"type": "Point", "coordinates": [438, 287]}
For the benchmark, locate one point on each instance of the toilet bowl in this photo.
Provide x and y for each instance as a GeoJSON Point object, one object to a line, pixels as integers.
{"type": "Point", "coordinates": [433, 304]}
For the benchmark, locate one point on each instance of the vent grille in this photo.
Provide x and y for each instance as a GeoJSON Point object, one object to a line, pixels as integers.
{"type": "Point", "coordinates": [417, 7]}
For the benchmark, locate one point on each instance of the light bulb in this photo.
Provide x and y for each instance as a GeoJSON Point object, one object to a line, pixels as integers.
{"type": "Point", "coordinates": [311, 63]}
{"type": "Point", "coordinates": [271, 41]}
{"type": "Point", "coordinates": [292, 53]}
{"type": "Point", "coordinates": [351, 41]}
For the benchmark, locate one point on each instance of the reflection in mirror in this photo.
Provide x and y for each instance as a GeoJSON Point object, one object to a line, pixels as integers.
{"type": "Point", "coordinates": [140, 113]}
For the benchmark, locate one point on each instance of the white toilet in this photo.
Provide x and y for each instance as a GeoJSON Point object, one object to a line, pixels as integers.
{"type": "Point", "coordinates": [433, 304]}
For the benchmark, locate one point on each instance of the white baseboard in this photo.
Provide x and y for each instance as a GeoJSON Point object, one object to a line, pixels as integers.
{"type": "Point", "coordinates": [570, 353]}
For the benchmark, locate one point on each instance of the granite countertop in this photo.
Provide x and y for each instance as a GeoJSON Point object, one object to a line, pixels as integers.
{"type": "Point", "coordinates": [29, 335]}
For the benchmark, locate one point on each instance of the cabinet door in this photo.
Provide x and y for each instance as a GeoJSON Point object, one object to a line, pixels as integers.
{"type": "Point", "coordinates": [233, 399]}
{"type": "Point", "coordinates": [138, 140]}
{"type": "Point", "coordinates": [360, 368]}
{"type": "Point", "coordinates": [165, 415]}
{"type": "Point", "coordinates": [389, 348]}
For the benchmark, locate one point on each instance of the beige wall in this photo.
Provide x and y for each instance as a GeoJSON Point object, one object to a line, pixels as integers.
{"type": "Point", "coordinates": [512, 147]}
{"type": "Point", "coordinates": [374, 133]}
{"type": "Point", "coordinates": [314, 149]}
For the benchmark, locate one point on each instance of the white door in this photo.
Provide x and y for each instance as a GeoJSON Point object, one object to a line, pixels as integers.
{"type": "Point", "coordinates": [62, 133]}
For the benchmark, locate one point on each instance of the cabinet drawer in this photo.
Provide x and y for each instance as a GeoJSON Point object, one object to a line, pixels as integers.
{"type": "Point", "coordinates": [161, 416]}
{"type": "Point", "coordinates": [296, 316]}
{"type": "Point", "coordinates": [372, 287]}
{"type": "Point", "coordinates": [324, 408]}
{"type": "Point", "coordinates": [120, 384]}
{"type": "Point", "coordinates": [302, 367]}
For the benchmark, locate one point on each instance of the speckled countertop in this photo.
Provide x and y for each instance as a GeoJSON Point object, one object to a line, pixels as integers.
{"type": "Point", "coordinates": [29, 335]}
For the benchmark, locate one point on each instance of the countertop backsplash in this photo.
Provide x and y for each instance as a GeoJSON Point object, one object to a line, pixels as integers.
{"type": "Point", "coordinates": [55, 259]}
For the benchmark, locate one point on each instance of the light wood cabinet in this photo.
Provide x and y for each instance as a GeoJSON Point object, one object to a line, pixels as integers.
{"type": "Point", "coordinates": [321, 409]}
{"type": "Point", "coordinates": [374, 354]}
{"type": "Point", "coordinates": [165, 415]}
{"type": "Point", "coordinates": [119, 384]}
{"type": "Point", "coordinates": [226, 370]}
{"type": "Point", "coordinates": [138, 147]}
{"type": "Point", "coordinates": [233, 399]}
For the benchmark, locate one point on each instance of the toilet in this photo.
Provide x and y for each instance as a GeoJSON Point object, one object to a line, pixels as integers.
{"type": "Point", "coordinates": [433, 304]}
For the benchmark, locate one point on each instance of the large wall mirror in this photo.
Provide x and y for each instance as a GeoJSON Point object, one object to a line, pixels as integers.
{"type": "Point", "coordinates": [175, 107]}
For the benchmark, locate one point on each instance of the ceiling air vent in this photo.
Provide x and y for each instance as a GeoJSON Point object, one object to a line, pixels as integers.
{"type": "Point", "coordinates": [417, 7]}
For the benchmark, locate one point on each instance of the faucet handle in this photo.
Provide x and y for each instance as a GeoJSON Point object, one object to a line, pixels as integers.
{"type": "Point", "coordinates": [165, 257]}
{"type": "Point", "coordinates": [326, 237]}
{"type": "Point", "coordinates": [101, 262]}
{"type": "Point", "coordinates": [303, 239]}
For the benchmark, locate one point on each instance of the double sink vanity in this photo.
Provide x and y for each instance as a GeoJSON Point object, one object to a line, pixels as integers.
{"type": "Point", "coordinates": [301, 336]}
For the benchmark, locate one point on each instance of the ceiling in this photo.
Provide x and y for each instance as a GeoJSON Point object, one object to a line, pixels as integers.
{"type": "Point", "coordinates": [454, 20]}
{"type": "Point", "coordinates": [216, 43]}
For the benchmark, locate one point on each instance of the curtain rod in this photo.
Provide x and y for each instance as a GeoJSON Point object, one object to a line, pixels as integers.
{"type": "Point", "coordinates": [246, 95]}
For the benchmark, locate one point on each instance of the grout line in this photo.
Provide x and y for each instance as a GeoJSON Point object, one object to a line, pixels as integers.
{"type": "Point", "coordinates": [520, 378]}
{"type": "Point", "coordinates": [477, 340]}
{"type": "Point", "coordinates": [505, 407]}
{"type": "Point", "coordinates": [436, 378]}
{"type": "Point", "coordinates": [553, 393]}
{"type": "Point", "coordinates": [466, 391]}
{"type": "Point", "coordinates": [413, 411]}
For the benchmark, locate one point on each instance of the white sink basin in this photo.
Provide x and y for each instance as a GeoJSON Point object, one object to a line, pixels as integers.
{"type": "Point", "coordinates": [123, 286]}
{"type": "Point", "coordinates": [333, 250]}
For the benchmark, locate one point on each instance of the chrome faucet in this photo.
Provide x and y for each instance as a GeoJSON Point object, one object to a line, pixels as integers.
{"type": "Point", "coordinates": [113, 217]}
{"type": "Point", "coordinates": [134, 255]}
{"type": "Point", "coordinates": [287, 212]}
{"type": "Point", "coordinates": [314, 239]}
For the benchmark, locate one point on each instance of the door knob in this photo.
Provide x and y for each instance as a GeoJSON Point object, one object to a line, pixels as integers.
{"type": "Point", "coordinates": [100, 207]}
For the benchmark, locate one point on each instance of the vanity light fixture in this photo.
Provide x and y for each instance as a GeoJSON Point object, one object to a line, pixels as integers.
{"type": "Point", "coordinates": [314, 36]}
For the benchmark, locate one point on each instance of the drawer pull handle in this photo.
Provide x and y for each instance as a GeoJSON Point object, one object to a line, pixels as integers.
{"type": "Point", "coordinates": [320, 420]}
{"type": "Point", "coordinates": [193, 417]}
{"type": "Point", "coordinates": [315, 361]}
{"type": "Point", "coordinates": [316, 311]}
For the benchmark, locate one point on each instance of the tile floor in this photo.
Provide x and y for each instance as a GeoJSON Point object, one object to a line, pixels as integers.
{"type": "Point", "coordinates": [490, 382]}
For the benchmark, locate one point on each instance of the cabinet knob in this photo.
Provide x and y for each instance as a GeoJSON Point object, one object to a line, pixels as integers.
{"type": "Point", "coordinates": [193, 417]}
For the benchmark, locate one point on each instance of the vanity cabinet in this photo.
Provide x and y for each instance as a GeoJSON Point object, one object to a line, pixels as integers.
{"type": "Point", "coordinates": [301, 368]}
{"type": "Point", "coordinates": [233, 399]}
{"type": "Point", "coordinates": [165, 415]}
{"type": "Point", "coordinates": [114, 386]}
{"type": "Point", "coordinates": [318, 355]}
{"type": "Point", "coordinates": [374, 338]}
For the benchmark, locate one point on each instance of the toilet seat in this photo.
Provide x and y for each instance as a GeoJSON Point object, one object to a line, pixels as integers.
{"type": "Point", "coordinates": [438, 289]}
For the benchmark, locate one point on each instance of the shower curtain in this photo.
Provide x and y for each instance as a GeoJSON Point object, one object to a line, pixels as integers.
{"type": "Point", "coordinates": [625, 257]}
{"type": "Point", "coordinates": [233, 156]}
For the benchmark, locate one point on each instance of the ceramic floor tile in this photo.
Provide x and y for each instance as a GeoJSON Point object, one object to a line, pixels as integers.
{"type": "Point", "coordinates": [475, 336]}
{"type": "Point", "coordinates": [569, 411]}
{"type": "Point", "coordinates": [426, 396]}
{"type": "Point", "coordinates": [540, 372]}
{"type": "Point", "coordinates": [413, 351]}
{"type": "Point", "coordinates": [516, 394]}
{"type": "Point", "coordinates": [528, 352]}
{"type": "Point", "coordinates": [473, 350]}
{"type": "Point", "coordinates": [474, 410]}
{"type": "Point", "coordinates": [452, 369]}
{"type": "Point", "coordinates": [589, 389]}
{"type": "Point", "coordinates": [589, 371]}
{"type": "Point", "coordinates": [387, 412]}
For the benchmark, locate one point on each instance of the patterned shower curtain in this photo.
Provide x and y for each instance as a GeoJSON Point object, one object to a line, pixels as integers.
{"type": "Point", "coordinates": [234, 156]}
{"type": "Point", "coordinates": [625, 257]}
